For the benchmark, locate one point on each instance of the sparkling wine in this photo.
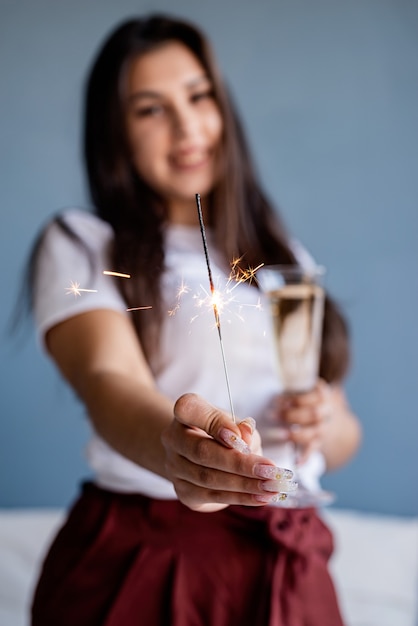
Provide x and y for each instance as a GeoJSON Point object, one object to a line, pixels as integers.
{"type": "Point", "coordinates": [297, 314]}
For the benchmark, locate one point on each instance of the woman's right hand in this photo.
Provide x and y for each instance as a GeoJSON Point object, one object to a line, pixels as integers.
{"type": "Point", "coordinates": [213, 462]}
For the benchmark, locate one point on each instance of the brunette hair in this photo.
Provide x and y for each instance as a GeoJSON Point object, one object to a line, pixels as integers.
{"type": "Point", "coordinates": [243, 220]}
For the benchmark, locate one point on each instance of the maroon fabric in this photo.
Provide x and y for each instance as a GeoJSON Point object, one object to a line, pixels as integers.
{"type": "Point", "coordinates": [127, 560]}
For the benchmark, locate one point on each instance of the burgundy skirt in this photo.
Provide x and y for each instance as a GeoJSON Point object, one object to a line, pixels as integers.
{"type": "Point", "coordinates": [128, 560]}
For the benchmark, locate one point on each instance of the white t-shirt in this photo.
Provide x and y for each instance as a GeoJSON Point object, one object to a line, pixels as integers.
{"type": "Point", "coordinates": [189, 357]}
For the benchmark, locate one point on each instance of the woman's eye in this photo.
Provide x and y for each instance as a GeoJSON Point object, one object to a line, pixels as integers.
{"type": "Point", "coordinates": [202, 95]}
{"type": "Point", "coordinates": [149, 111]}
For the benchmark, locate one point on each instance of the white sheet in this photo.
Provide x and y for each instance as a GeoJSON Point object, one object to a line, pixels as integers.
{"type": "Point", "coordinates": [24, 536]}
{"type": "Point", "coordinates": [375, 564]}
{"type": "Point", "coordinates": [375, 567]}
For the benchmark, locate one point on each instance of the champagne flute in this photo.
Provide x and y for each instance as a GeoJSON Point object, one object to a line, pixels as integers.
{"type": "Point", "coordinates": [296, 297]}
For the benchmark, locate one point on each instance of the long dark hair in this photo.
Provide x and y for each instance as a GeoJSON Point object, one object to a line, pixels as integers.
{"type": "Point", "coordinates": [243, 220]}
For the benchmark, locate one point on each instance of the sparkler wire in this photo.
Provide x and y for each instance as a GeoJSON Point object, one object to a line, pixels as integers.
{"type": "Point", "coordinates": [215, 308]}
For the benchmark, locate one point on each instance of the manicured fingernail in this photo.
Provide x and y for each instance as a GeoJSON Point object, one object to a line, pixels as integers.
{"type": "Point", "coordinates": [273, 472]}
{"type": "Point", "coordinates": [250, 422]}
{"type": "Point", "coordinates": [265, 498]}
{"type": "Point", "coordinates": [278, 497]}
{"type": "Point", "coordinates": [232, 440]}
{"type": "Point", "coordinates": [278, 485]}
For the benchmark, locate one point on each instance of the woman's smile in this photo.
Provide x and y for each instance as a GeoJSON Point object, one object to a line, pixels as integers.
{"type": "Point", "coordinates": [190, 159]}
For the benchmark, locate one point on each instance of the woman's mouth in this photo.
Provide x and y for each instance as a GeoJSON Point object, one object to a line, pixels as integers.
{"type": "Point", "coordinates": [190, 160]}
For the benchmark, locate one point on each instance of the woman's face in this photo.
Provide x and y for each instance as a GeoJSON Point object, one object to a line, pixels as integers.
{"type": "Point", "coordinates": [174, 127]}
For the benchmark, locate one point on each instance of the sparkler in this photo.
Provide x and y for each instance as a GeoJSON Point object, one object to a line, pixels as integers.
{"type": "Point", "coordinates": [215, 298]}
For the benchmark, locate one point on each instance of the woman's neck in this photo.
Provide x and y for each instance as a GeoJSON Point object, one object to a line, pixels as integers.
{"type": "Point", "coordinates": [184, 212]}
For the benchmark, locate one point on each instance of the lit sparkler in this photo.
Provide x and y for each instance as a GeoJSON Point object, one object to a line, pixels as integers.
{"type": "Point", "coordinates": [215, 301]}
{"type": "Point", "coordinates": [223, 296]}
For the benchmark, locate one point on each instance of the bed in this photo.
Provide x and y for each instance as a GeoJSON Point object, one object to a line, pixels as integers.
{"type": "Point", "coordinates": [375, 564]}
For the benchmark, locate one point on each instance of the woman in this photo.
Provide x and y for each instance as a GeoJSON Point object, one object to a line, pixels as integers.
{"type": "Point", "coordinates": [176, 526]}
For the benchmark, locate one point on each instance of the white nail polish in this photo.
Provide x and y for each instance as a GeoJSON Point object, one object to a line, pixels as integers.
{"type": "Point", "coordinates": [233, 441]}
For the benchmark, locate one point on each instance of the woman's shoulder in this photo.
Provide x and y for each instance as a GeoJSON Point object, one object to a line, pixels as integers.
{"type": "Point", "coordinates": [81, 222]}
{"type": "Point", "coordinates": [78, 224]}
{"type": "Point", "coordinates": [73, 252]}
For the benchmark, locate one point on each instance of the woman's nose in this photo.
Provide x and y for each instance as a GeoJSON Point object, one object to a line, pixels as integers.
{"type": "Point", "coordinates": [185, 123]}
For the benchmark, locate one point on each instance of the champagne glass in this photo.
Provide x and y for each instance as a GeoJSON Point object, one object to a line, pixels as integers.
{"type": "Point", "coordinates": [296, 297]}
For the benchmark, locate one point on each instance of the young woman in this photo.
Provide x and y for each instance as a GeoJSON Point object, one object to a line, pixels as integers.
{"type": "Point", "coordinates": [182, 524]}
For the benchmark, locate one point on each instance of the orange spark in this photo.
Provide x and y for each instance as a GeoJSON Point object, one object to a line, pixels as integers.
{"type": "Point", "coordinates": [239, 275]}
{"type": "Point", "coordinates": [183, 289]}
{"type": "Point", "coordinates": [139, 308]}
{"type": "Point", "coordinates": [118, 274]}
{"type": "Point", "coordinates": [76, 290]}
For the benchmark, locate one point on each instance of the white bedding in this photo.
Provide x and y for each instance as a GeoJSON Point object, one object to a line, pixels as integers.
{"type": "Point", "coordinates": [375, 564]}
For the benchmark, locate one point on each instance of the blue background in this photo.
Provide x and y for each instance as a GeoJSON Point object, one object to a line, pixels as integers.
{"type": "Point", "coordinates": [329, 94]}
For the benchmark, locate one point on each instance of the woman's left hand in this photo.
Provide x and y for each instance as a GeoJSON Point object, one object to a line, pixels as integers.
{"type": "Point", "coordinates": [305, 416]}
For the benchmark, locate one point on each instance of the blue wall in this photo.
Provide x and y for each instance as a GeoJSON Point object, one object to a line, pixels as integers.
{"type": "Point", "coordinates": [329, 93]}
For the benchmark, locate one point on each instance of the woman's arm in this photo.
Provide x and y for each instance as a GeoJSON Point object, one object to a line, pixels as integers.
{"type": "Point", "coordinates": [98, 353]}
{"type": "Point", "coordinates": [194, 445]}
{"type": "Point", "coordinates": [341, 435]}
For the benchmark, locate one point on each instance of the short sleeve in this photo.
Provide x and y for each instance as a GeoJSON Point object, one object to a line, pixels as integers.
{"type": "Point", "coordinates": [64, 262]}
